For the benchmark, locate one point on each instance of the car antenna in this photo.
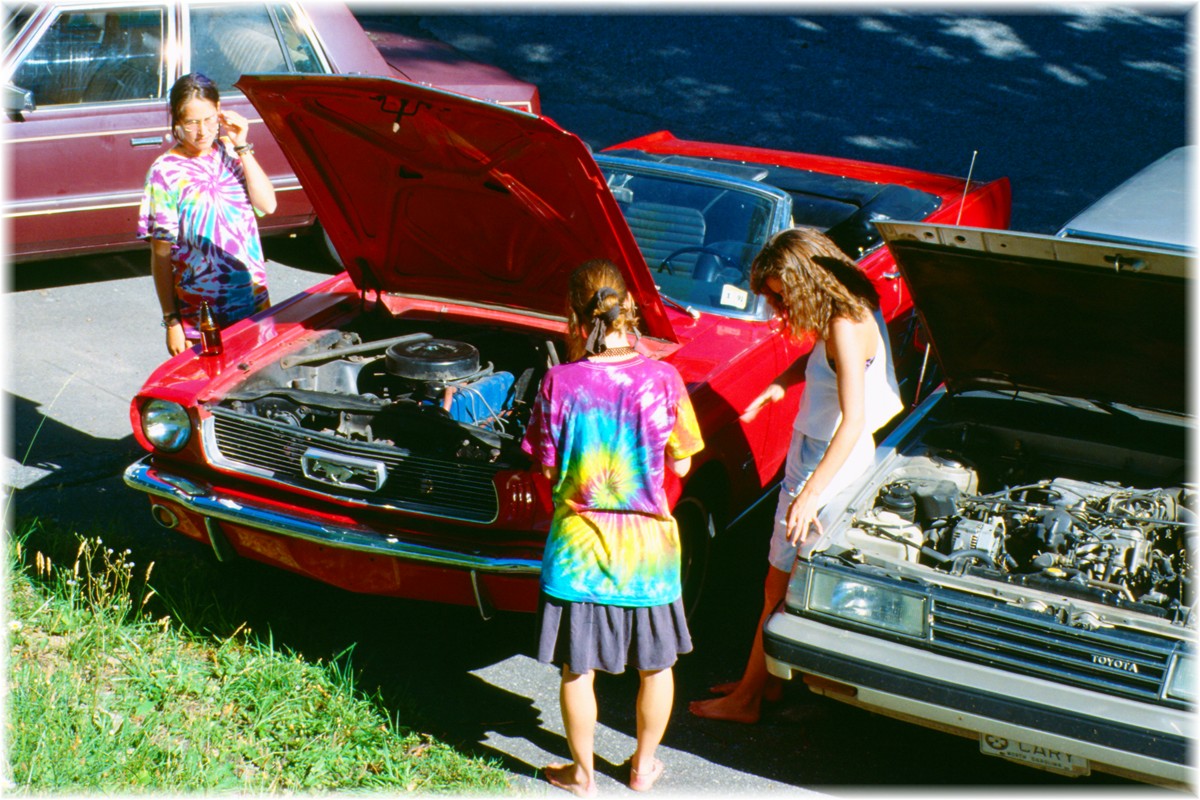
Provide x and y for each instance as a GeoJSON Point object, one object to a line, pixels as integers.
{"type": "Point", "coordinates": [966, 187]}
{"type": "Point", "coordinates": [925, 358]}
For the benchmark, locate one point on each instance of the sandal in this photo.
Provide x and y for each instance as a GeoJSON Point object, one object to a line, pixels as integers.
{"type": "Point", "coordinates": [644, 780]}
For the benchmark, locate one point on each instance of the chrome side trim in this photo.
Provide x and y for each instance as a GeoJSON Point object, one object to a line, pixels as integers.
{"type": "Point", "coordinates": [211, 502]}
{"type": "Point", "coordinates": [160, 130]}
{"type": "Point", "coordinates": [131, 203]}
{"type": "Point", "coordinates": [65, 137]}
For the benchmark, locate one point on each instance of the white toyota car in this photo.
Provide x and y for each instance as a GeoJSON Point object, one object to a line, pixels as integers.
{"type": "Point", "coordinates": [1018, 567]}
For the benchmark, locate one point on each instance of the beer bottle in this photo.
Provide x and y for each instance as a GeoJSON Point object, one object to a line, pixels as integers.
{"type": "Point", "coordinates": [210, 334]}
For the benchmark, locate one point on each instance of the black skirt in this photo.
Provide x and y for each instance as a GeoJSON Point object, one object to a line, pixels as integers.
{"type": "Point", "coordinates": [588, 636]}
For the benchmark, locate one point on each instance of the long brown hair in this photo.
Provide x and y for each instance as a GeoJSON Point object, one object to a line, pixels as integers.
{"type": "Point", "coordinates": [819, 282]}
{"type": "Point", "coordinates": [596, 296]}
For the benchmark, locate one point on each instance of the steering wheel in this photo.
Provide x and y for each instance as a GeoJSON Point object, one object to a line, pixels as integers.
{"type": "Point", "coordinates": [727, 262]}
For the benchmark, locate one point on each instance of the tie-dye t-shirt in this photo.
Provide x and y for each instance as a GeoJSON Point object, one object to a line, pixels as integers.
{"type": "Point", "coordinates": [200, 206]}
{"type": "Point", "coordinates": [609, 427]}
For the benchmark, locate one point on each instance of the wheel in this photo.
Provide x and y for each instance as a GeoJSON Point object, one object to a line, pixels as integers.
{"type": "Point", "coordinates": [329, 253]}
{"type": "Point", "coordinates": [697, 528]}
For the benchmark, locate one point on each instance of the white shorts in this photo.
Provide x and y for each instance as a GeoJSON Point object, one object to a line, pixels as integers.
{"type": "Point", "coordinates": [804, 453]}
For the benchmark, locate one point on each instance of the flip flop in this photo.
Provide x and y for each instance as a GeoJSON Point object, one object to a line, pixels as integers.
{"type": "Point", "coordinates": [644, 780]}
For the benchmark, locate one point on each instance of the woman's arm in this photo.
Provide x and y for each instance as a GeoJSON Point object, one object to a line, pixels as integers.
{"type": "Point", "coordinates": [164, 287]}
{"type": "Point", "coordinates": [775, 390]}
{"type": "Point", "coordinates": [258, 184]}
{"type": "Point", "coordinates": [849, 346]}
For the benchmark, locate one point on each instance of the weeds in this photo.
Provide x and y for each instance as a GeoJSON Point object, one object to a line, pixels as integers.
{"type": "Point", "coordinates": [104, 697]}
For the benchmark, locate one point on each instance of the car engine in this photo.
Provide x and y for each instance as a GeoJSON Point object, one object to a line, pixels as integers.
{"type": "Point", "coordinates": [429, 391]}
{"type": "Point", "coordinates": [1100, 540]}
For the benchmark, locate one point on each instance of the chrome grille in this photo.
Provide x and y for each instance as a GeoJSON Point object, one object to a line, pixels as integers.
{"type": "Point", "coordinates": [419, 485]}
{"type": "Point", "coordinates": [1114, 662]}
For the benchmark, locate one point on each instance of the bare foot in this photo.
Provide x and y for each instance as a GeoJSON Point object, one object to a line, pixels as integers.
{"type": "Point", "coordinates": [772, 691]}
{"type": "Point", "coordinates": [643, 780]}
{"type": "Point", "coordinates": [725, 708]}
{"type": "Point", "coordinates": [566, 776]}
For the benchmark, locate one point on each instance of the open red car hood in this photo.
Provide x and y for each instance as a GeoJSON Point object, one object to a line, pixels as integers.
{"type": "Point", "coordinates": [1020, 311]}
{"type": "Point", "coordinates": [431, 193]}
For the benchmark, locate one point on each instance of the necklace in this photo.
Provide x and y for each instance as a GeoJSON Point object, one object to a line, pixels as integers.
{"type": "Point", "coordinates": [614, 352]}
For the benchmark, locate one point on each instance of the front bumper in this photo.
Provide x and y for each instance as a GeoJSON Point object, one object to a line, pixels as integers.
{"type": "Point", "coordinates": [1118, 735]}
{"type": "Point", "coordinates": [344, 553]}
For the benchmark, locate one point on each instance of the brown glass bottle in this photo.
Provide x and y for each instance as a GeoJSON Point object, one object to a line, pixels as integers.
{"type": "Point", "coordinates": [210, 334]}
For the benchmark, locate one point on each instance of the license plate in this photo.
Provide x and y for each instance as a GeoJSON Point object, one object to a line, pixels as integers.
{"type": "Point", "coordinates": [1033, 755]}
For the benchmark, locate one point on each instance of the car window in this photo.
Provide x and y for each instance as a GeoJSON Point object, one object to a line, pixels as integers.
{"type": "Point", "coordinates": [699, 238]}
{"type": "Point", "coordinates": [229, 41]}
{"type": "Point", "coordinates": [301, 51]}
{"type": "Point", "coordinates": [96, 57]}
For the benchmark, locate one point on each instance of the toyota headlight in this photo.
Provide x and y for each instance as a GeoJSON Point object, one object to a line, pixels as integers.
{"type": "Point", "coordinates": [166, 425]}
{"type": "Point", "coordinates": [864, 601]}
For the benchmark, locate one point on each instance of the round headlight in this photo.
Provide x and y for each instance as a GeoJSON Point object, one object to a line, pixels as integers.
{"type": "Point", "coordinates": [166, 425]}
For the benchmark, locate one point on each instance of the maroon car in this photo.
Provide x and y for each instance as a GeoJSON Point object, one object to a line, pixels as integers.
{"type": "Point", "coordinates": [85, 97]}
{"type": "Point", "coordinates": [366, 432]}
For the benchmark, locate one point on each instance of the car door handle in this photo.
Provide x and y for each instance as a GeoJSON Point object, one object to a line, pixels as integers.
{"type": "Point", "coordinates": [145, 141]}
{"type": "Point", "coordinates": [891, 276]}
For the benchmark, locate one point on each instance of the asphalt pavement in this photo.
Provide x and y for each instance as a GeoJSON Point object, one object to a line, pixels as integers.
{"type": "Point", "coordinates": [1066, 104]}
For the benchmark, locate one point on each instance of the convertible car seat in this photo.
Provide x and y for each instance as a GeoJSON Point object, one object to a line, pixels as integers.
{"type": "Point", "coordinates": [661, 229]}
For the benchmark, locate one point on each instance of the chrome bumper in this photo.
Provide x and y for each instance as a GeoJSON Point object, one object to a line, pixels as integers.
{"type": "Point", "coordinates": [209, 502]}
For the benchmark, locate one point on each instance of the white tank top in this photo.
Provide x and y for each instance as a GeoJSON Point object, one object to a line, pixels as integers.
{"type": "Point", "coordinates": [819, 412]}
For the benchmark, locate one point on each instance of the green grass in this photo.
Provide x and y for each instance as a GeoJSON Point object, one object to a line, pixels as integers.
{"type": "Point", "coordinates": [110, 690]}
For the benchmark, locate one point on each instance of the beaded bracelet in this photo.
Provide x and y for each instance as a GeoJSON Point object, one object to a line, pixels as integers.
{"type": "Point", "coordinates": [242, 149]}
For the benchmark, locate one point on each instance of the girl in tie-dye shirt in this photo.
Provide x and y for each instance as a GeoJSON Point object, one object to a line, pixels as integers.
{"type": "Point", "coordinates": [198, 212]}
{"type": "Point", "coordinates": [604, 428]}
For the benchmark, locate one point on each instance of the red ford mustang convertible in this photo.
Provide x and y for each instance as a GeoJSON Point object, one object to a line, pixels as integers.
{"type": "Point", "coordinates": [366, 432]}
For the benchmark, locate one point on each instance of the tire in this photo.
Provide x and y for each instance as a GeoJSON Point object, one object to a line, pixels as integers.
{"type": "Point", "coordinates": [697, 529]}
{"type": "Point", "coordinates": [329, 254]}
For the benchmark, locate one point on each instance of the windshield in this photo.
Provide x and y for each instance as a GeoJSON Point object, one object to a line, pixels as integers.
{"type": "Point", "coordinates": [698, 236]}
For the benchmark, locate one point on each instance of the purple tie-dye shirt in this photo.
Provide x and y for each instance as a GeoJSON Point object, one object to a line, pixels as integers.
{"type": "Point", "coordinates": [200, 206]}
{"type": "Point", "coordinates": [609, 427]}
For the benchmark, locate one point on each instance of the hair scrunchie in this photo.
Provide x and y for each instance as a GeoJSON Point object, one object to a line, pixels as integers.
{"type": "Point", "coordinates": [602, 322]}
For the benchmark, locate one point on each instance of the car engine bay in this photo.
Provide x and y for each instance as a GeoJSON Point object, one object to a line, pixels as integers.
{"type": "Point", "coordinates": [450, 391]}
{"type": "Point", "coordinates": [1087, 520]}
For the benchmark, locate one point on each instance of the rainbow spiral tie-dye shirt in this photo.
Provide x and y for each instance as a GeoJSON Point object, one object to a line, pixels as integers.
{"type": "Point", "coordinates": [201, 207]}
{"type": "Point", "coordinates": [609, 428]}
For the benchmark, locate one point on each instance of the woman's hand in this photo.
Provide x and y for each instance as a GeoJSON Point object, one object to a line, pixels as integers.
{"type": "Point", "coordinates": [237, 127]}
{"type": "Point", "coordinates": [772, 394]}
{"type": "Point", "coordinates": [176, 342]}
{"type": "Point", "coordinates": [802, 517]}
